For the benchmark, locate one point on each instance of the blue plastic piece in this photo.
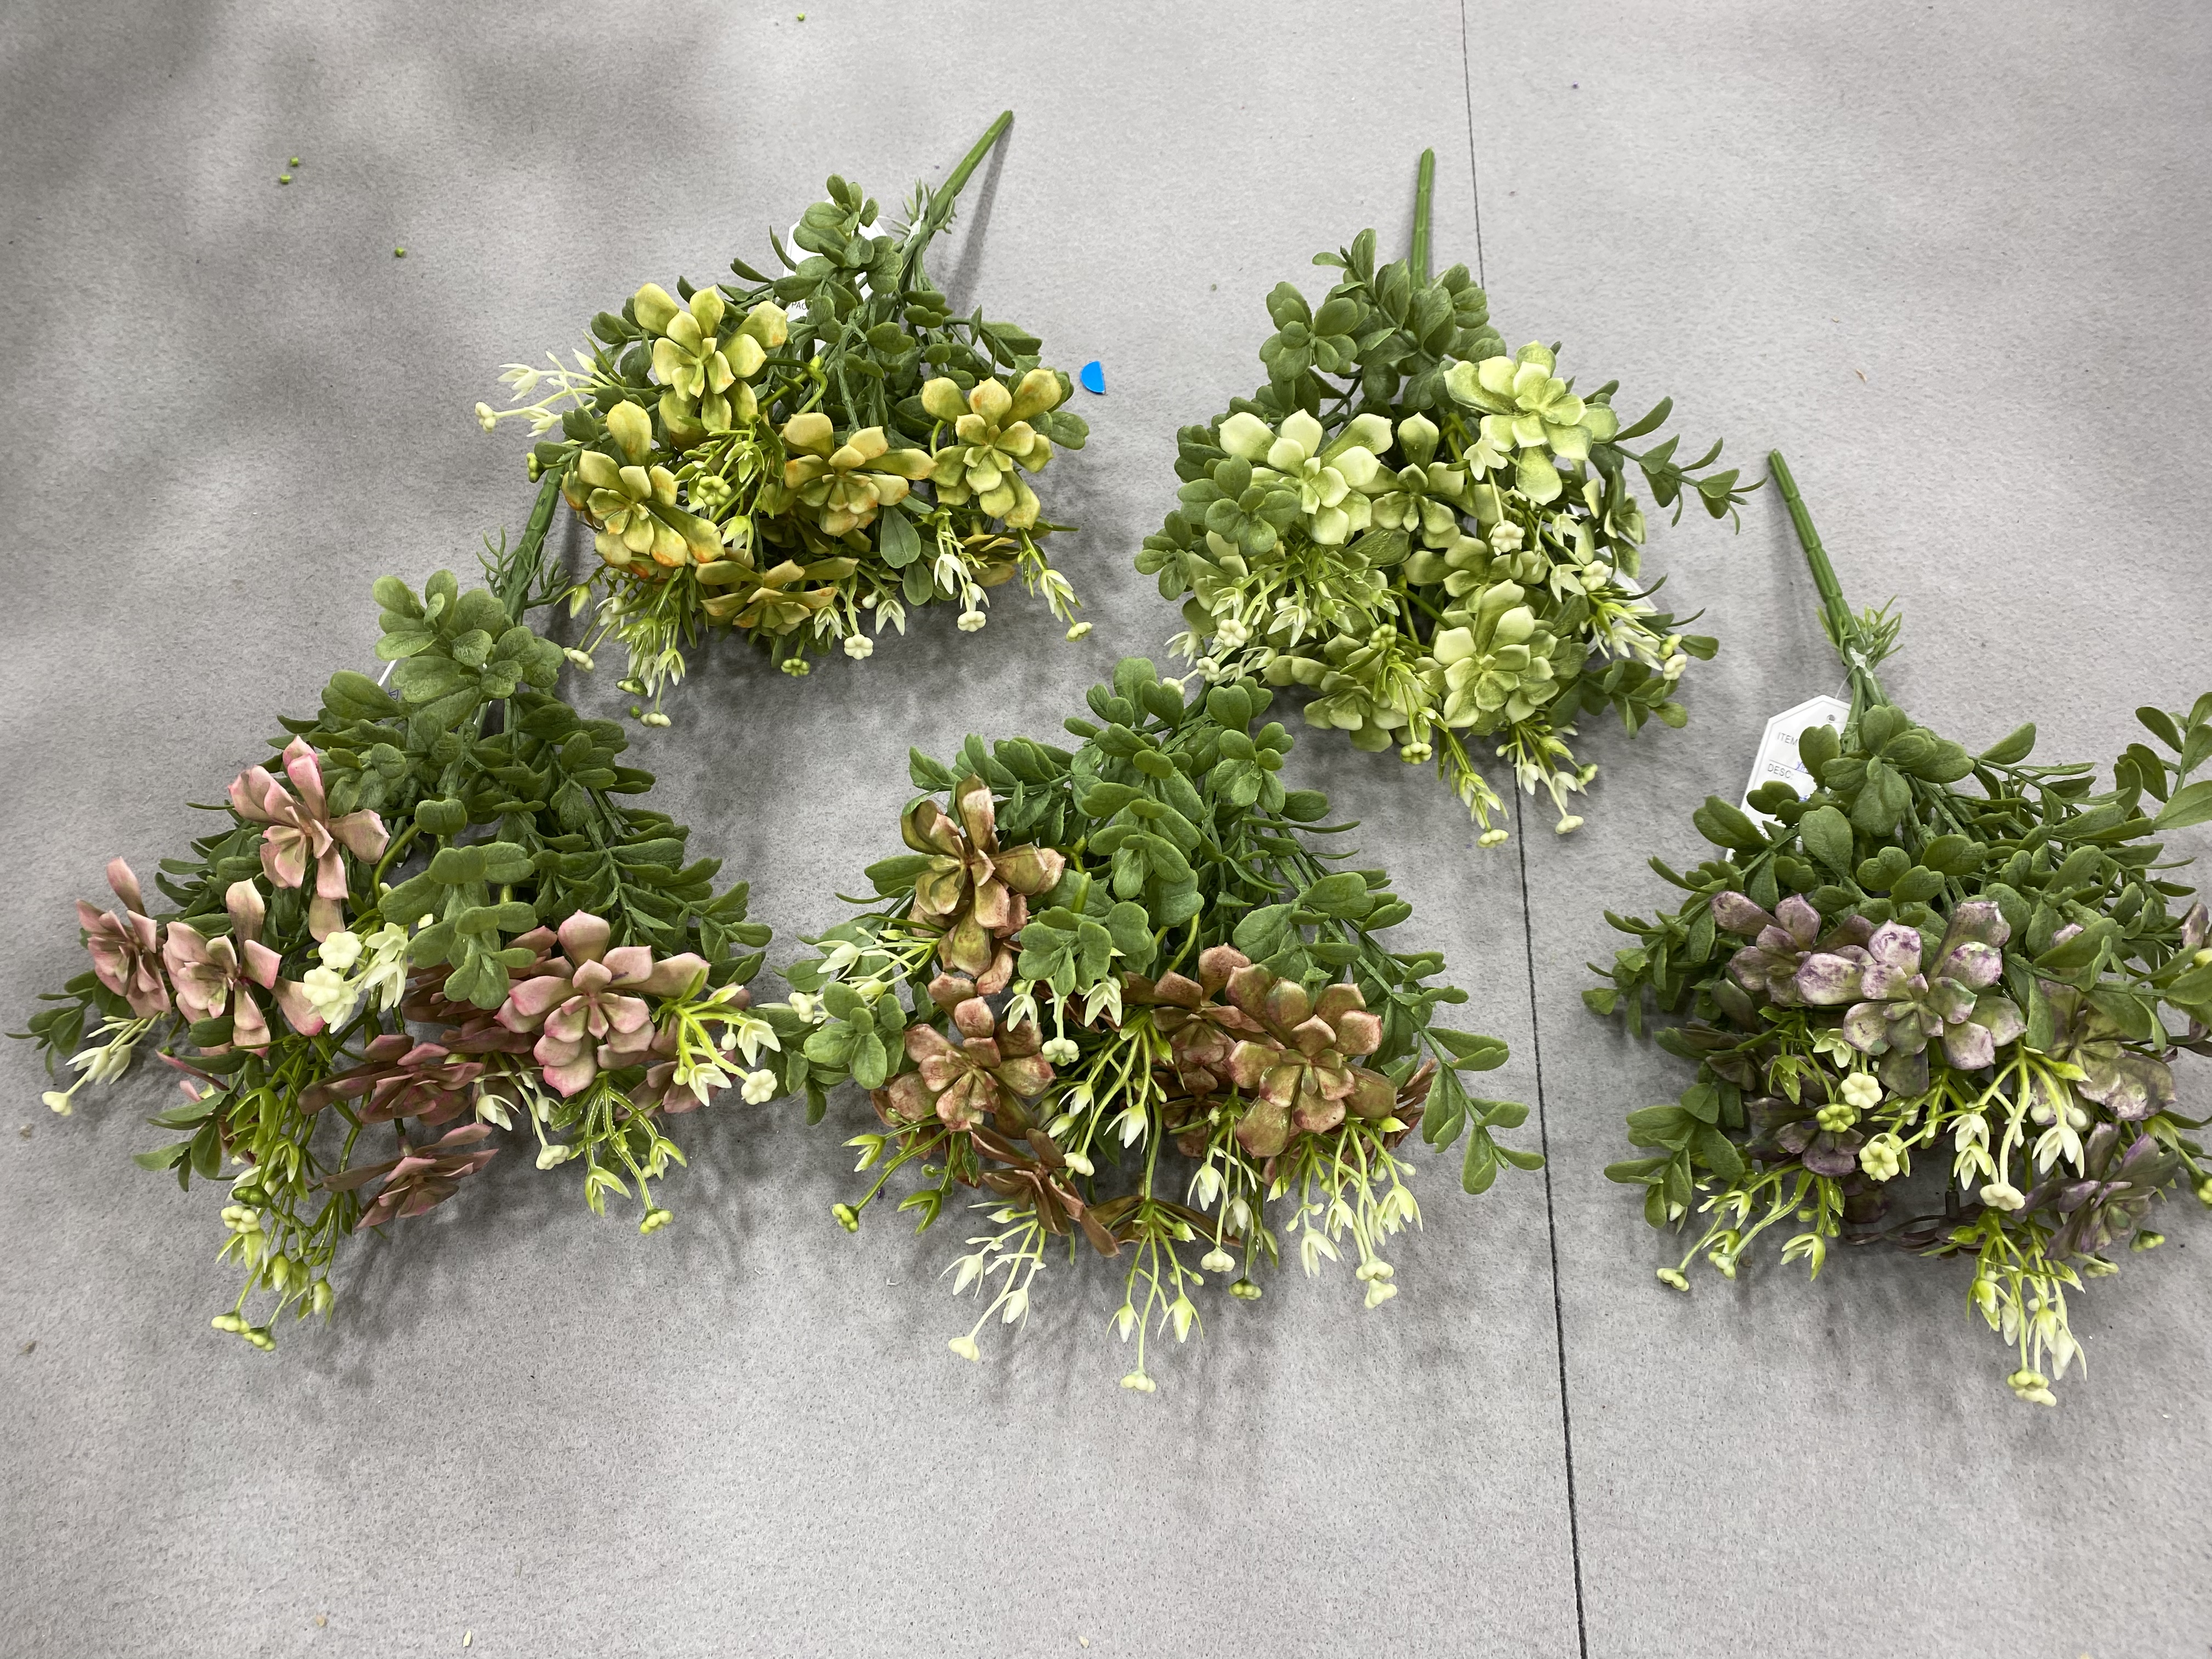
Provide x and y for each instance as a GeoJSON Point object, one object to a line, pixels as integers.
{"type": "Point", "coordinates": [1093, 377]}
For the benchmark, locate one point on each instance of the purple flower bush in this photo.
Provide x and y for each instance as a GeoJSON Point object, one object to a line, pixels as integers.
{"type": "Point", "coordinates": [1961, 960]}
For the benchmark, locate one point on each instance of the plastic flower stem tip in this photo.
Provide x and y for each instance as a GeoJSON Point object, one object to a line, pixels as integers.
{"type": "Point", "coordinates": [1424, 185]}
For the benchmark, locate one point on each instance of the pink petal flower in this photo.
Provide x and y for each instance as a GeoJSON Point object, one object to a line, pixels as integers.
{"type": "Point", "coordinates": [529, 1001]}
{"type": "Point", "coordinates": [249, 1028]}
{"type": "Point", "coordinates": [305, 771]}
{"type": "Point", "coordinates": [262, 963]}
{"type": "Point", "coordinates": [584, 937]}
{"type": "Point", "coordinates": [125, 885]}
{"type": "Point", "coordinates": [330, 872]}
{"type": "Point", "coordinates": [363, 834]}
{"type": "Point", "coordinates": [574, 1077]}
{"type": "Point", "coordinates": [626, 1014]}
{"type": "Point", "coordinates": [673, 976]}
{"type": "Point", "coordinates": [249, 790]}
{"type": "Point", "coordinates": [247, 911]}
{"type": "Point", "coordinates": [299, 1013]}
{"type": "Point", "coordinates": [283, 856]}
{"type": "Point", "coordinates": [628, 964]}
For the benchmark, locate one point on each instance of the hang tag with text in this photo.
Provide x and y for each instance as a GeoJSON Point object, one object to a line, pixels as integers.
{"type": "Point", "coordinates": [1777, 751]}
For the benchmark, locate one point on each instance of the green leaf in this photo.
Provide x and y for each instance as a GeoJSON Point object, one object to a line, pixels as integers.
{"type": "Point", "coordinates": [2191, 804]}
{"type": "Point", "coordinates": [1468, 1051]}
{"type": "Point", "coordinates": [1826, 834]}
{"type": "Point", "coordinates": [1726, 826]}
{"type": "Point", "coordinates": [895, 875]}
{"type": "Point", "coordinates": [1445, 1115]}
{"type": "Point", "coordinates": [2014, 748]}
{"type": "Point", "coordinates": [901, 543]}
{"type": "Point", "coordinates": [2162, 725]}
{"type": "Point", "coordinates": [1341, 895]}
{"type": "Point", "coordinates": [1716, 1152]}
{"type": "Point", "coordinates": [871, 1062]}
{"type": "Point", "coordinates": [1260, 935]}
{"type": "Point", "coordinates": [1479, 1168]}
{"type": "Point", "coordinates": [1131, 932]}
{"type": "Point", "coordinates": [2078, 952]}
{"type": "Point", "coordinates": [927, 773]}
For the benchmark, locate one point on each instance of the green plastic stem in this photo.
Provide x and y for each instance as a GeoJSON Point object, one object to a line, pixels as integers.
{"type": "Point", "coordinates": [1424, 188]}
{"type": "Point", "coordinates": [521, 568]}
{"type": "Point", "coordinates": [1841, 628]}
{"type": "Point", "coordinates": [941, 199]}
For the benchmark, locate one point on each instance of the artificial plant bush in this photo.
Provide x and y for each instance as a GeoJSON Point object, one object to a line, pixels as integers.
{"type": "Point", "coordinates": [1965, 958]}
{"type": "Point", "coordinates": [801, 458]}
{"type": "Point", "coordinates": [436, 910]}
{"type": "Point", "coordinates": [1439, 540]}
{"type": "Point", "coordinates": [1122, 993]}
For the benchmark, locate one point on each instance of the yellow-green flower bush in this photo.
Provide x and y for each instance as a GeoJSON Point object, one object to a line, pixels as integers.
{"type": "Point", "coordinates": [803, 458]}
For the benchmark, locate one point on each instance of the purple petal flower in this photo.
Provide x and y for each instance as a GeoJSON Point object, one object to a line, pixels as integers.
{"type": "Point", "coordinates": [1895, 946]}
{"type": "Point", "coordinates": [1906, 1073]}
{"type": "Point", "coordinates": [1866, 1028]}
{"type": "Point", "coordinates": [1738, 914]}
{"type": "Point", "coordinates": [2131, 1087]}
{"type": "Point", "coordinates": [1885, 982]}
{"type": "Point", "coordinates": [1972, 964]}
{"type": "Point", "coordinates": [1834, 1153]}
{"type": "Point", "coordinates": [1830, 978]}
{"type": "Point", "coordinates": [1802, 921]}
{"type": "Point", "coordinates": [1969, 1046]}
{"type": "Point", "coordinates": [2001, 1015]}
{"type": "Point", "coordinates": [1980, 921]}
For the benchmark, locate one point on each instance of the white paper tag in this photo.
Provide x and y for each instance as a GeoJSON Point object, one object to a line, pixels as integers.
{"type": "Point", "coordinates": [1777, 751]}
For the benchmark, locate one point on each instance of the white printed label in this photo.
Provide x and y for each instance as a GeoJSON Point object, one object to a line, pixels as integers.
{"type": "Point", "coordinates": [1777, 751]}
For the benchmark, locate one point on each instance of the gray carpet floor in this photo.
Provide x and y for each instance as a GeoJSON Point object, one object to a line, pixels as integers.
{"type": "Point", "coordinates": [1951, 258]}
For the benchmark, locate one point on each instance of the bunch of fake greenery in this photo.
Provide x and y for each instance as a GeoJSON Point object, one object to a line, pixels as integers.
{"type": "Point", "coordinates": [442, 915]}
{"type": "Point", "coordinates": [1901, 962]}
{"type": "Point", "coordinates": [1120, 991]}
{"type": "Point", "coordinates": [803, 457]}
{"type": "Point", "coordinates": [1439, 540]}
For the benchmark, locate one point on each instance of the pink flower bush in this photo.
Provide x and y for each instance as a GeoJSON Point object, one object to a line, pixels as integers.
{"type": "Point", "coordinates": [421, 1178]}
{"type": "Point", "coordinates": [588, 1004]}
{"type": "Point", "coordinates": [301, 832]}
{"type": "Point", "coordinates": [127, 949]}
{"type": "Point", "coordinates": [219, 975]}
